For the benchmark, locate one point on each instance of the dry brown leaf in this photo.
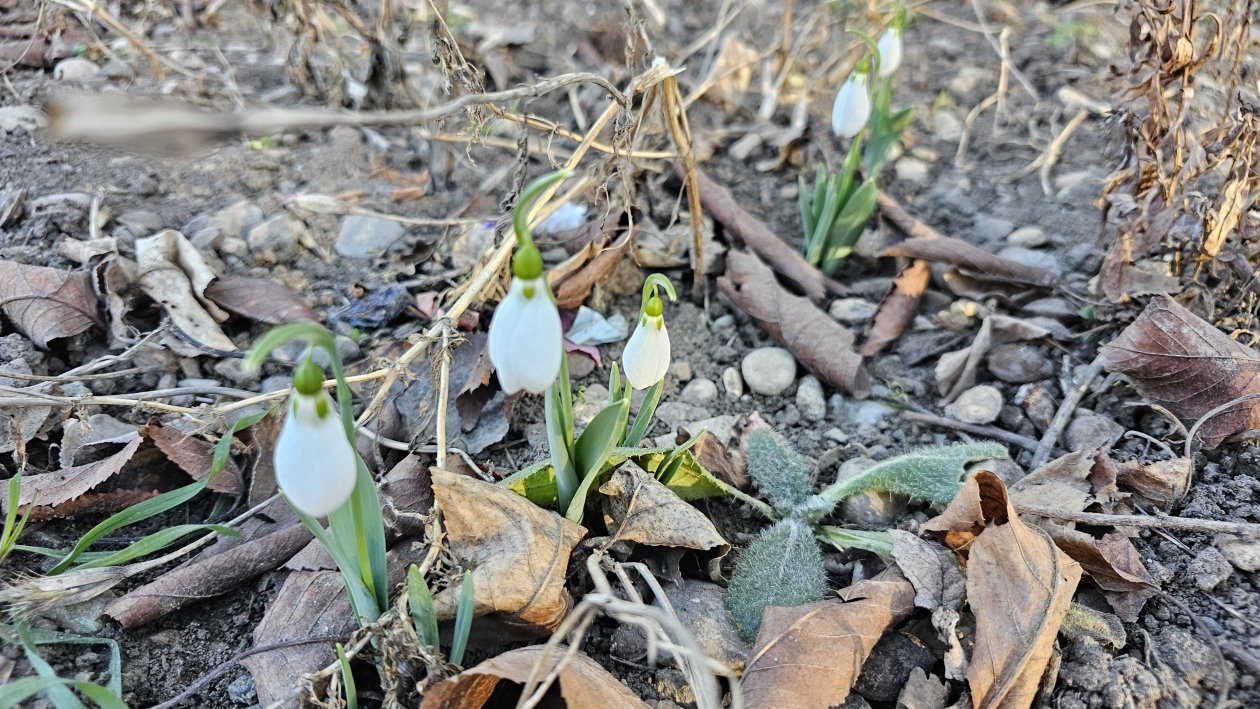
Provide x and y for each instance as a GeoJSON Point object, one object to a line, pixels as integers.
{"type": "Point", "coordinates": [1159, 483]}
{"type": "Point", "coordinates": [573, 290]}
{"type": "Point", "coordinates": [810, 656]}
{"type": "Point", "coordinates": [1072, 482]}
{"type": "Point", "coordinates": [819, 343]}
{"type": "Point", "coordinates": [49, 489]}
{"type": "Point", "coordinates": [638, 508]}
{"type": "Point", "coordinates": [517, 551]}
{"type": "Point", "coordinates": [1232, 205]}
{"type": "Point", "coordinates": [937, 581]}
{"type": "Point", "coordinates": [726, 462]}
{"type": "Point", "coordinates": [973, 259]}
{"type": "Point", "coordinates": [45, 303]}
{"type": "Point", "coordinates": [259, 299]}
{"type": "Point", "coordinates": [896, 311]}
{"type": "Point", "coordinates": [1019, 586]}
{"type": "Point", "coordinates": [207, 578]}
{"type": "Point", "coordinates": [1113, 563]}
{"type": "Point", "coordinates": [579, 684]}
{"type": "Point", "coordinates": [923, 691]}
{"type": "Point", "coordinates": [172, 272]}
{"type": "Point", "coordinates": [195, 457]}
{"type": "Point", "coordinates": [1179, 361]}
{"type": "Point", "coordinates": [82, 252]}
{"type": "Point", "coordinates": [99, 429]}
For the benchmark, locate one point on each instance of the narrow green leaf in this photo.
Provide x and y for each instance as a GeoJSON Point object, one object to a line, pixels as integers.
{"type": "Point", "coordinates": [564, 476]}
{"type": "Point", "coordinates": [849, 224]}
{"type": "Point", "coordinates": [347, 679]}
{"type": "Point", "coordinates": [58, 694]}
{"type": "Point", "coordinates": [600, 437]}
{"type": "Point", "coordinates": [805, 201]}
{"type": "Point", "coordinates": [362, 601]}
{"type": "Point", "coordinates": [154, 542]}
{"type": "Point", "coordinates": [420, 601]}
{"type": "Point", "coordinates": [15, 692]}
{"type": "Point", "coordinates": [51, 637]}
{"type": "Point", "coordinates": [643, 419]}
{"type": "Point", "coordinates": [463, 620]}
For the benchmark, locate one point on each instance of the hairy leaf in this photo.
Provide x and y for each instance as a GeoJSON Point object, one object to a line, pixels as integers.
{"type": "Point", "coordinates": [932, 474]}
{"type": "Point", "coordinates": [776, 469]}
{"type": "Point", "coordinates": [782, 567]}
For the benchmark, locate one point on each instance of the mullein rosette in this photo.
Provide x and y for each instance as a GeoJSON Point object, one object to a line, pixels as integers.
{"type": "Point", "coordinates": [315, 465]}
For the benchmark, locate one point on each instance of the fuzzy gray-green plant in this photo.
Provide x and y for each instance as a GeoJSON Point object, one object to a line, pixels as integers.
{"type": "Point", "coordinates": [777, 470]}
{"type": "Point", "coordinates": [782, 567]}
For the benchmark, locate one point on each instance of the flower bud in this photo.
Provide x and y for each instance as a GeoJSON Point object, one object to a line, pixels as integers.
{"type": "Point", "coordinates": [646, 357]}
{"type": "Point", "coordinates": [526, 339]}
{"type": "Point", "coordinates": [889, 52]}
{"type": "Point", "coordinates": [852, 108]}
{"type": "Point", "coordinates": [315, 466]}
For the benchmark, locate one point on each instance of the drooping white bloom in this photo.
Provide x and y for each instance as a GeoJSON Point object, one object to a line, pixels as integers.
{"type": "Point", "coordinates": [526, 340]}
{"type": "Point", "coordinates": [646, 357]}
{"type": "Point", "coordinates": [889, 52]}
{"type": "Point", "coordinates": [315, 465]}
{"type": "Point", "coordinates": [852, 108]}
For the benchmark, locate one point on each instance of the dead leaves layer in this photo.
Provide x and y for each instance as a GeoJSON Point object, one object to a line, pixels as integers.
{"type": "Point", "coordinates": [1179, 361]}
{"type": "Point", "coordinates": [45, 303]}
{"type": "Point", "coordinates": [810, 656]}
{"type": "Point", "coordinates": [819, 343]}
{"type": "Point", "coordinates": [580, 682]}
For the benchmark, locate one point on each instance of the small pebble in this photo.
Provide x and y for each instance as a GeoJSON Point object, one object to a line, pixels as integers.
{"type": "Point", "coordinates": [1019, 363]}
{"type": "Point", "coordinates": [947, 127]}
{"type": "Point", "coordinates": [768, 371]}
{"type": "Point", "coordinates": [912, 170]}
{"type": "Point", "coordinates": [1029, 237]}
{"type": "Point", "coordinates": [681, 370]}
{"type": "Point", "coordinates": [700, 392]}
{"type": "Point", "coordinates": [810, 400]}
{"type": "Point", "coordinates": [1210, 568]}
{"type": "Point", "coordinates": [242, 690]}
{"type": "Point", "coordinates": [979, 404]}
{"type": "Point", "coordinates": [990, 228]}
{"type": "Point", "coordinates": [75, 69]}
{"type": "Point", "coordinates": [273, 238]}
{"type": "Point", "coordinates": [1029, 257]}
{"type": "Point", "coordinates": [724, 322]}
{"type": "Point", "coordinates": [367, 237]}
{"type": "Point", "coordinates": [852, 310]}
{"type": "Point", "coordinates": [1091, 430]}
{"type": "Point", "coordinates": [732, 383]}
{"type": "Point", "coordinates": [969, 79]}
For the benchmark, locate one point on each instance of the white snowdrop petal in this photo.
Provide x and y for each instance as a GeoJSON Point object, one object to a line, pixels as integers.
{"type": "Point", "coordinates": [315, 465]}
{"type": "Point", "coordinates": [852, 108]}
{"type": "Point", "coordinates": [510, 321]}
{"type": "Point", "coordinates": [890, 51]}
{"type": "Point", "coordinates": [646, 356]}
{"type": "Point", "coordinates": [539, 345]}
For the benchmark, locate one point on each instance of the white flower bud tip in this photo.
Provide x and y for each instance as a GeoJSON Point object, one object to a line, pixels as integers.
{"type": "Point", "coordinates": [646, 357]}
{"type": "Point", "coordinates": [889, 52]}
{"type": "Point", "coordinates": [852, 108]}
{"type": "Point", "coordinates": [315, 465]}
{"type": "Point", "coordinates": [526, 339]}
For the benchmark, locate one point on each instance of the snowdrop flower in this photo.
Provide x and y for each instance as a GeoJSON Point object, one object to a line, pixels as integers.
{"type": "Point", "coordinates": [646, 357]}
{"type": "Point", "coordinates": [852, 108]}
{"type": "Point", "coordinates": [315, 465]}
{"type": "Point", "coordinates": [889, 52]}
{"type": "Point", "coordinates": [526, 340]}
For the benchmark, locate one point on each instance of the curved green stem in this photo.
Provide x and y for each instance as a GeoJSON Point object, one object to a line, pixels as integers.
{"type": "Point", "coordinates": [654, 281]}
{"type": "Point", "coordinates": [520, 212]}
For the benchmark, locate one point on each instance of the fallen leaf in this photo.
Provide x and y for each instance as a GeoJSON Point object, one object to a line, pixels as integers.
{"type": "Point", "coordinates": [475, 417]}
{"type": "Point", "coordinates": [638, 508]}
{"type": "Point", "coordinates": [517, 551]}
{"type": "Point", "coordinates": [45, 303]}
{"type": "Point", "coordinates": [82, 252]}
{"type": "Point", "coordinates": [172, 272]}
{"type": "Point", "coordinates": [896, 311]}
{"type": "Point", "coordinates": [1019, 586]}
{"type": "Point", "coordinates": [49, 489]}
{"type": "Point", "coordinates": [206, 578]}
{"type": "Point", "coordinates": [98, 429]}
{"type": "Point", "coordinates": [810, 656]}
{"type": "Point", "coordinates": [1179, 361]}
{"type": "Point", "coordinates": [1072, 482]}
{"type": "Point", "coordinates": [580, 682]}
{"type": "Point", "coordinates": [573, 290]}
{"type": "Point", "coordinates": [725, 462]}
{"type": "Point", "coordinates": [195, 457]}
{"type": "Point", "coordinates": [973, 259]}
{"type": "Point", "coordinates": [1243, 553]}
{"type": "Point", "coordinates": [1113, 563]}
{"type": "Point", "coordinates": [761, 240]}
{"type": "Point", "coordinates": [923, 691]}
{"type": "Point", "coordinates": [937, 581]}
{"type": "Point", "coordinates": [259, 299]}
{"type": "Point", "coordinates": [817, 341]}
{"type": "Point", "coordinates": [1159, 483]}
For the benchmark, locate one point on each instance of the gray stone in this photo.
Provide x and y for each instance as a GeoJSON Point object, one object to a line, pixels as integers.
{"type": "Point", "coordinates": [367, 237]}
{"type": "Point", "coordinates": [242, 690]}
{"type": "Point", "coordinates": [732, 383]}
{"type": "Point", "coordinates": [947, 127]}
{"type": "Point", "coordinates": [912, 170]}
{"type": "Point", "coordinates": [273, 238]}
{"type": "Point", "coordinates": [852, 310]}
{"type": "Point", "coordinates": [1029, 237]}
{"type": "Point", "coordinates": [1039, 405]}
{"type": "Point", "coordinates": [810, 400]}
{"type": "Point", "coordinates": [887, 669]}
{"type": "Point", "coordinates": [968, 80]}
{"type": "Point", "coordinates": [681, 370]}
{"type": "Point", "coordinates": [979, 404]}
{"type": "Point", "coordinates": [234, 371]}
{"type": "Point", "coordinates": [1091, 430]}
{"type": "Point", "coordinates": [1210, 568]}
{"type": "Point", "coordinates": [1019, 363]}
{"type": "Point", "coordinates": [1029, 257]}
{"type": "Point", "coordinates": [990, 228]}
{"type": "Point", "coordinates": [278, 382]}
{"type": "Point", "coordinates": [593, 400]}
{"type": "Point", "coordinates": [678, 413]}
{"type": "Point", "coordinates": [768, 370]}
{"type": "Point", "coordinates": [75, 69]}
{"type": "Point", "coordinates": [700, 392]}
{"type": "Point", "coordinates": [580, 365]}
{"type": "Point", "coordinates": [724, 322]}
{"type": "Point", "coordinates": [701, 608]}
{"type": "Point", "coordinates": [237, 219]}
